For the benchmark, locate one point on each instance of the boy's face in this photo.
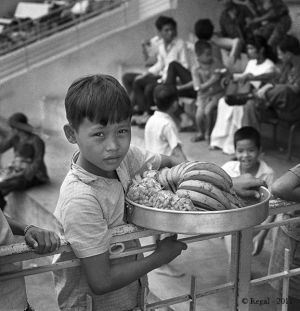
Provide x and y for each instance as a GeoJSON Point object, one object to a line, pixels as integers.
{"type": "Point", "coordinates": [102, 148]}
{"type": "Point", "coordinates": [168, 33]}
{"type": "Point", "coordinates": [205, 57]}
{"type": "Point", "coordinates": [247, 153]}
{"type": "Point", "coordinates": [252, 51]}
{"type": "Point", "coordinates": [284, 57]}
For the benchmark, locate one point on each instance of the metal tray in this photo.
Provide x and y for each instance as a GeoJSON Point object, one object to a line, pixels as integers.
{"type": "Point", "coordinates": [199, 222]}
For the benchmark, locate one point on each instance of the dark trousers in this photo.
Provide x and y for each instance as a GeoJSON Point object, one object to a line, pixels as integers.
{"type": "Point", "coordinates": [127, 80]}
{"type": "Point", "coordinates": [142, 96]}
{"type": "Point", "coordinates": [177, 72]}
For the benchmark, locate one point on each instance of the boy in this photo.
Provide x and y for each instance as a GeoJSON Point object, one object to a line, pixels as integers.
{"type": "Point", "coordinates": [161, 133]}
{"type": "Point", "coordinates": [206, 80]}
{"type": "Point", "coordinates": [247, 152]}
{"type": "Point", "coordinates": [92, 197]}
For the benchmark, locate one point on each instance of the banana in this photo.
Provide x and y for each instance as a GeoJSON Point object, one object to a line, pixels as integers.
{"type": "Point", "coordinates": [175, 175]}
{"type": "Point", "coordinates": [234, 199]}
{"type": "Point", "coordinates": [207, 189]}
{"type": "Point", "coordinates": [170, 180]}
{"type": "Point", "coordinates": [207, 176]}
{"type": "Point", "coordinates": [197, 165]}
{"type": "Point", "coordinates": [162, 178]}
{"type": "Point", "coordinates": [201, 200]}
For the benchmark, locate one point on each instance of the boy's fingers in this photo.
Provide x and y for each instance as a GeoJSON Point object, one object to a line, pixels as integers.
{"type": "Point", "coordinates": [174, 237]}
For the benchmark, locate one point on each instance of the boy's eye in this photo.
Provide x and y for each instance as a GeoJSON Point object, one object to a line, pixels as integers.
{"type": "Point", "coordinates": [123, 131]}
{"type": "Point", "coordinates": [99, 134]}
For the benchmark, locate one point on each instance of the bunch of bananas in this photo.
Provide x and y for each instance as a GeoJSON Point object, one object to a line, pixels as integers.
{"type": "Point", "coordinates": [189, 186]}
{"type": "Point", "coordinates": [207, 185]}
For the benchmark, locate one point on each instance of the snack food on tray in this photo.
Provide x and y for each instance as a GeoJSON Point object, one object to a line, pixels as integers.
{"type": "Point", "coordinates": [189, 186]}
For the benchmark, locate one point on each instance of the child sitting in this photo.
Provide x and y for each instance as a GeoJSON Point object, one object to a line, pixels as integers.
{"type": "Point", "coordinates": [247, 152]}
{"type": "Point", "coordinates": [92, 197]}
{"type": "Point", "coordinates": [206, 80]}
{"type": "Point", "coordinates": [161, 133]}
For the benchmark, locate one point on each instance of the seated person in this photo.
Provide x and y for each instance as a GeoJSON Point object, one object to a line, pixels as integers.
{"type": "Point", "coordinates": [272, 20]}
{"type": "Point", "coordinates": [281, 98]}
{"type": "Point", "coordinates": [13, 291]}
{"type": "Point", "coordinates": [206, 80]}
{"type": "Point", "coordinates": [150, 50]}
{"type": "Point", "coordinates": [171, 48]}
{"type": "Point", "coordinates": [27, 168]}
{"type": "Point", "coordinates": [260, 68]}
{"type": "Point", "coordinates": [247, 151]}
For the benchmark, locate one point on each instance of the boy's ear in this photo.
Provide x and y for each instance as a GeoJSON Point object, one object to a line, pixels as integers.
{"type": "Point", "coordinates": [70, 133]}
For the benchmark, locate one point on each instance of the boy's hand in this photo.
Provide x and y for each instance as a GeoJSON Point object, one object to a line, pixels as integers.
{"type": "Point", "coordinates": [42, 241]}
{"type": "Point", "coordinates": [169, 248]}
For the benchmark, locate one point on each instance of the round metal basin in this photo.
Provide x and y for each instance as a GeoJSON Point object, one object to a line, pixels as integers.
{"type": "Point", "coordinates": [199, 222]}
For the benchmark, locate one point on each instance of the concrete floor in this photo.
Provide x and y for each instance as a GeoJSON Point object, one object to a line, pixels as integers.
{"type": "Point", "coordinates": [207, 260]}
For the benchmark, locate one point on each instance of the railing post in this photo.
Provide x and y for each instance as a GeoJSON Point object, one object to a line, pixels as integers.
{"type": "Point", "coordinates": [286, 280]}
{"type": "Point", "coordinates": [193, 302]}
{"type": "Point", "coordinates": [243, 269]}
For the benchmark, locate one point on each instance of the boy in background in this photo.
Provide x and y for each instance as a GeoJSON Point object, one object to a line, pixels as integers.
{"type": "Point", "coordinates": [161, 132]}
{"type": "Point", "coordinates": [206, 79]}
{"type": "Point", "coordinates": [92, 198]}
{"type": "Point", "coordinates": [247, 152]}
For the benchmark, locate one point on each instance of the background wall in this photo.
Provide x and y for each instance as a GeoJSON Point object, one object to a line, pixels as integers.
{"type": "Point", "coordinates": [8, 7]}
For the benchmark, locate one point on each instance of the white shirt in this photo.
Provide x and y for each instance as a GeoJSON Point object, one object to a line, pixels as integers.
{"type": "Point", "coordinates": [264, 172]}
{"type": "Point", "coordinates": [161, 134]}
{"type": "Point", "coordinates": [12, 292]}
{"type": "Point", "coordinates": [258, 69]}
{"type": "Point", "coordinates": [175, 51]}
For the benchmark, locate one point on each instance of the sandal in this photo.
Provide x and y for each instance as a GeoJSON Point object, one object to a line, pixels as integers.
{"type": "Point", "coordinates": [197, 138]}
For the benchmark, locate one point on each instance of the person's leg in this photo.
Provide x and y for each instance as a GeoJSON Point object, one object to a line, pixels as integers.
{"type": "Point", "coordinates": [209, 111]}
{"type": "Point", "coordinates": [200, 121]}
{"type": "Point", "coordinates": [251, 115]}
{"type": "Point", "coordinates": [149, 101]}
{"type": "Point", "coordinates": [127, 81]}
{"type": "Point", "coordinates": [281, 28]}
{"type": "Point", "coordinates": [139, 85]}
{"type": "Point", "coordinates": [177, 71]}
{"type": "Point", "coordinates": [294, 285]}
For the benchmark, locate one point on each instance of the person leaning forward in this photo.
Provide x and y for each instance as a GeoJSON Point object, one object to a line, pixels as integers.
{"type": "Point", "coordinates": [27, 168]}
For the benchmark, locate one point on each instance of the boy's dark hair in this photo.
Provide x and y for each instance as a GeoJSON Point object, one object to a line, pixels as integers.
{"type": "Point", "coordinates": [290, 44]}
{"type": "Point", "coordinates": [164, 96]}
{"type": "Point", "coordinates": [165, 20]}
{"type": "Point", "coordinates": [260, 42]}
{"type": "Point", "coordinates": [247, 132]}
{"type": "Point", "coordinates": [99, 98]}
{"type": "Point", "coordinates": [204, 29]}
{"type": "Point", "coordinates": [201, 46]}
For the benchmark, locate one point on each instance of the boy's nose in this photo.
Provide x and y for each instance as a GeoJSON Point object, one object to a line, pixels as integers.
{"type": "Point", "coordinates": [112, 144]}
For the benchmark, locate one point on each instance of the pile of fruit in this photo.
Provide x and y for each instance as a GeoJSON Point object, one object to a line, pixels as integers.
{"type": "Point", "coordinates": [189, 186]}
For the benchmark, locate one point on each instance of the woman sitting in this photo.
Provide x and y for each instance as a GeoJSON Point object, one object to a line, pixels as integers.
{"type": "Point", "coordinates": [260, 69]}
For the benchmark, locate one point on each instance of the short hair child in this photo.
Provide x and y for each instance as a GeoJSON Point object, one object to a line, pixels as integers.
{"type": "Point", "coordinates": [91, 199]}
{"type": "Point", "coordinates": [164, 96]}
{"type": "Point", "coordinates": [165, 20]}
{"type": "Point", "coordinates": [204, 29]}
{"type": "Point", "coordinates": [85, 94]}
{"type": "Point", "coordinates": [206, 82]}
{"type": "Point", "coordinates": [247, 132]}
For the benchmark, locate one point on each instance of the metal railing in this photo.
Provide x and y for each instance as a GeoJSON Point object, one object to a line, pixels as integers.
{"type": "Point", "coordinates": [239, 283]}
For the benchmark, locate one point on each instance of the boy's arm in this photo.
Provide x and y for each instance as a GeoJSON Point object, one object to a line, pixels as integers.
{"type": "Point", "coordinates": [103, 276]}
{"type": "Point", "coordinates": [169, 161]}
{"type": "Point", "coordinates": [42, 241]}
{"type": "Point", "coordinates": [287, 186]}
{"type": "Point", "coordinates": [178, 153]}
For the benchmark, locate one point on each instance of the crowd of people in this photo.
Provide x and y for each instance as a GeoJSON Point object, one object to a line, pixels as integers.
{"type": "Point", "coordinates": [100, 112]}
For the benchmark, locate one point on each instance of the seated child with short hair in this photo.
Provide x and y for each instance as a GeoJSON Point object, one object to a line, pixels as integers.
{"type": "Point", "coordinates": [161, 132]}
{"type": "Point", "coordinates": [206, 79]}
{"type": "Point", "coordinates": [247, 151]}
{"type": "Point", "coordinates": [92, 197]}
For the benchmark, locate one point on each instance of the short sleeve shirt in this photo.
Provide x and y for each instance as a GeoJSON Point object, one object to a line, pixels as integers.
{"type": "Point", "coordinates": [264, 172]}
{"type": "Point", "coordinates": [88, 206]}
{"type": "Point", "coordinates": [12, 292]}
{"type": "Point", "coordinates": [293, 230]}
{"type": "Point", "coordinates": [161, 134]}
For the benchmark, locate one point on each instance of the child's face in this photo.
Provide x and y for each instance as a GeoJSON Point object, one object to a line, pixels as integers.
{"type": "Point", "coordinates": [252, 51]}
{"type": "Point", "coordinates": [247, 153]}
{"type": "Point", "coordinates": [102, 148]}
{"type": "Point", "coordinates": [205, 57]}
